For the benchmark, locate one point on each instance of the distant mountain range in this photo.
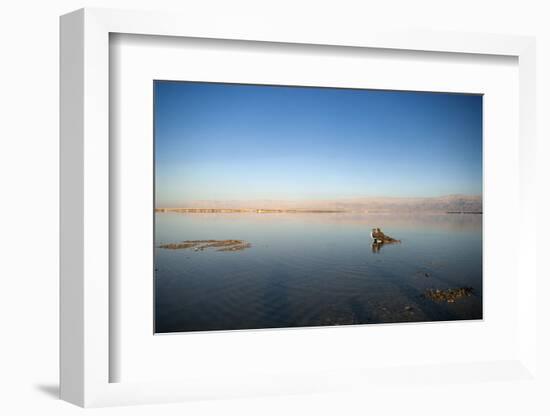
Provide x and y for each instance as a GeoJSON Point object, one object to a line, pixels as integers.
{"type": "Point", "coordinates": [447, 203]}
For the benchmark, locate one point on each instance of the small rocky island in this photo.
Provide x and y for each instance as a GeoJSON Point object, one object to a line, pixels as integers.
{"type": "Point", "coordinates": [380, 238]}
{"type": "Point", "coordinates": [201, 245]}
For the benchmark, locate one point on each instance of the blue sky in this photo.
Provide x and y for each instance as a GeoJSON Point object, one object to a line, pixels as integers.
{"type": "Point", "coordinates": [244, 142]}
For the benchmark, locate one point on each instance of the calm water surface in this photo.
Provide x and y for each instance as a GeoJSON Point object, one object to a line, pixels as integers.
{"type": "Point", "coordinates": [314, 269]}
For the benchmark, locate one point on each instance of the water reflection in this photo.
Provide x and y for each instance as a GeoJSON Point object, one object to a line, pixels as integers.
{"type": "Point", "coordinates": [376, 246]}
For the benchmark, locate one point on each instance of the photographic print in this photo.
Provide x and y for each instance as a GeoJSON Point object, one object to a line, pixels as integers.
{"type": "Point", "coordinates": [290, 206]}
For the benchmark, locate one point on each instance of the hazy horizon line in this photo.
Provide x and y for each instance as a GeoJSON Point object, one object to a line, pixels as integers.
{"type": "Point", "coordinates": [456, 195]}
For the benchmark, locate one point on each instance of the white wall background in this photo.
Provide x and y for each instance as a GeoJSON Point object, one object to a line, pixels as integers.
{"type": "Point", "coordinates": [29, 205]}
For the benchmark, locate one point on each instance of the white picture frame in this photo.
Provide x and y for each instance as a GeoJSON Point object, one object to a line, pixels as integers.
{"type": "Point", "coordinates": [85, 183]}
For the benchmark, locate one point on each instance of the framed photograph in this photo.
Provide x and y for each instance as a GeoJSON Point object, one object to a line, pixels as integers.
{"type": "Point", "coordinates": [262, 211]}
{"type": "Point", "coordinates": [285, 206]}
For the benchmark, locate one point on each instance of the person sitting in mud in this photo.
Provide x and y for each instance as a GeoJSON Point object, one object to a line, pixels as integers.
{"type": "Point", "coordinates": [379, 237]}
